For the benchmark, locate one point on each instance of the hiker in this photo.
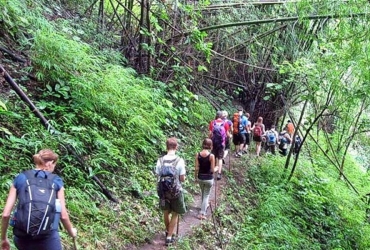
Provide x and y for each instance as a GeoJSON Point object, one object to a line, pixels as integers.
{"type": "Point", "coordinates": [284, 140]}
{"type": "Point", "coordinates": [204, 169]}
{"type": "Point", "coordinates": [228, 135]}
{"type": "Point", "coordinates": [218, 130]}
{"type": "Point", "coordinates": [45, 161]}
{"type": "Point", "coordinates": [271, 139]}
{"type": "Point", "coordinates": [290, 128]}
{"type": "Point", "coordinates": [240, 132]}
{"type": "Point", "coordinates": [172, 204]}
{"type": "Point", "coordinates": [297, 144]}
{"type": "Point", "coordinates": [258, 130]}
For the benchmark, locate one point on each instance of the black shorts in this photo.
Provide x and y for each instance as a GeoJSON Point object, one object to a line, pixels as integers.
{"type": "Point", "coordinates": [257, 138]}
{"type": "Point", "coordinates": [247, 139]}
{"type": "Point", "coordinates": [239, 139]}
{"type": "Point", "coordinates": [218, 151]}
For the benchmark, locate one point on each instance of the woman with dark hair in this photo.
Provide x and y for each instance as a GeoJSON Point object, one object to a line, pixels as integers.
{"type": "Point", "coordinates": [45, 162]}
{"type": "Point", "coordinates": [204, 169]}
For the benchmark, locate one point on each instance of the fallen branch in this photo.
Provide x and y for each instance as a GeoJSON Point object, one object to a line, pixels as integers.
{"type": "Point", "coordinates": [14, 56]}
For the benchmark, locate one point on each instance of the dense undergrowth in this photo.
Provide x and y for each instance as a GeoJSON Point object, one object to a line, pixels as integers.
{"type": "Point", "coordinates": [315, 210]}
{"type": "Point", "coordinates": [116, 122]}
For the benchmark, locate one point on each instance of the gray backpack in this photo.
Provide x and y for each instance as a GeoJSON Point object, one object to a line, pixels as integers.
{"type": "Point", "coordinates": [168, 184]}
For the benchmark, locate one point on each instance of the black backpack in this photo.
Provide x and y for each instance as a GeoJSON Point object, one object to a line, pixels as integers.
{"type": "Point", "coordinates": [35, 211]}
{"type": "Point", "coordinates": [168, 184]}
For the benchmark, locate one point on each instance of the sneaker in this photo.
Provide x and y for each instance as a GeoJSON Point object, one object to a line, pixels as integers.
{"type": "Point", "coordinates": [169, 241]}
{"type": "Point", "coordinates": [218, 176]}
{"type": "Point", "coordinates": [202, 217]}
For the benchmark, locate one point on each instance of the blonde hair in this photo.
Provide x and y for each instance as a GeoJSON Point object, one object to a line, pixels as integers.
{"type": "Point", "coordinates": [44, 156]}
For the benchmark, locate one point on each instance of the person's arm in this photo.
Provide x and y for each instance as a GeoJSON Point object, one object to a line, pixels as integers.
{"type": "Point", "coordinates": [182, 170]}
{"type": "Point", "coordinates": [182, 178]}
{"type": "Point", "coordinates": [231, 129]}
{"type": "Point", "coordinates": [252, 128]}
{"type": "Point", "coordinates": [196, 167]}
{"type": "Point", "coordinates": [210, 129]}
{"type": "Point", "coordinates": [276, 137]}
{"type": "Point", "coordinates": [12, 197]}
{"type": "Point", "coordinates": [64, 217]}
{"type": "Point", "coordinates": [249, 127]}
{"type": "Point", "coordinates": [212, 160]}
{"type": "Point", "coordinates": [227, 129]}
{"type": "Point", "coordinates": [288, 138]}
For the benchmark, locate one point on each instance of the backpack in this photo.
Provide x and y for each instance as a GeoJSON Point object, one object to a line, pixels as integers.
{"type": "Point", "coordinates": [257, 132]}
{"type": "Point", "coordinates": [271, 138]}
{"type": "Point", "coordinates": [35, 211]}
{"type": "Point", "coordinates": [236, 123]}
{"type": "Point", "coordinates": [297, 144]}
{"type": "Point", "coordinates": [283, 140]}
{"type": "Point", "coordinates": [218, 133]}
{"type": "Point", "coordinates": [168, 184]}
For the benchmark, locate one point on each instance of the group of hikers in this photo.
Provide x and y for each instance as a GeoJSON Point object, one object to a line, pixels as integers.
{"type": "Point", "coordinates": [171, 171]}
{"type": "Point", "coordinates": [40, 193]}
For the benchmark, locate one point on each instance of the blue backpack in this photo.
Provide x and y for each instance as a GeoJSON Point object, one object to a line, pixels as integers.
{"type": "Point", "coordinates": [35, 212]}
{"type": "Point", "coordinates": [218, 133]}
{"type": "Point", "coordinates": [271, 138]}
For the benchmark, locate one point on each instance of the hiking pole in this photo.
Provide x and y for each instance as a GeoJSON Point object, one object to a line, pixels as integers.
{"type": "Point", "coordinates": [75, 243]}
{"type": "Point", "coordinates": [178, 222]}
{"type": "Point", "coordinates": [229, 163]}
{"type": "Point", "coordinates": [216, 192]}
{"type": "Point", "coordinates": [214, 225]}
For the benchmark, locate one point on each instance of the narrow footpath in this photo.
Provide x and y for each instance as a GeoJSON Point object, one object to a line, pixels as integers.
{"type": "Point", "coordinates": [189, 219]}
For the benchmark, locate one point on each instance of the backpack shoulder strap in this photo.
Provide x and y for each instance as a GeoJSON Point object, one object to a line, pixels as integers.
{"type": "Point", "coordinates": [176, 161]}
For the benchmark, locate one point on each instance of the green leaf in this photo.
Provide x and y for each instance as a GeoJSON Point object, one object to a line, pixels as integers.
{"type": "Point", "coordinates": [2, 105]}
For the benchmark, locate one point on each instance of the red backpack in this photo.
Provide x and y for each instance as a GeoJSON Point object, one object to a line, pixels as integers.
{"type": "Point", "coordinates": [257, 132]}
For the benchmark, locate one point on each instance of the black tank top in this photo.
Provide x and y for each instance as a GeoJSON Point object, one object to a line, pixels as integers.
{"type": "Point", "coordinates": [204, 168]}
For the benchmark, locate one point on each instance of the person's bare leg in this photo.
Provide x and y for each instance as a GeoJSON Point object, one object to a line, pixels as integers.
{"type": "Point", "coordinates": [172, 224]}
{"type": "Point", "coordinates": [258, 148]}
{"type": "Point", "coordinates": [225, 153]}
{"type": "Point", "coordinates": [219, 165]}
{"type": "Point", "coordinates": [166, 218]}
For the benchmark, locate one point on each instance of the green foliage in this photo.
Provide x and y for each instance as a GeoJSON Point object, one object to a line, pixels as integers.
{"type": "Point", "coordinates": [117, 122]}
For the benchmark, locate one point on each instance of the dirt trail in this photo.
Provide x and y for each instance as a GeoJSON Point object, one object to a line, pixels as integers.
{"type": "Point", "coordinates": [189, 219]}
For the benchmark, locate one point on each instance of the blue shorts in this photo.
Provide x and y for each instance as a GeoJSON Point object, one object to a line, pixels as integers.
{"type": "Point", "coordinates": [51, 242]}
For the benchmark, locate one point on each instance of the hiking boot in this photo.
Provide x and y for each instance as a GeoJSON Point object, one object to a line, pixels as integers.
{"type": "Point", "coordinates": [218, 176]}
{"type": "Point", "coordinates": [169, 241]}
